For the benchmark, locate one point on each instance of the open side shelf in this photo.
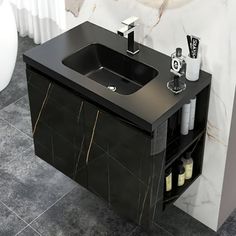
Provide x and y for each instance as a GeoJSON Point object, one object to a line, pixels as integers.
{"type": "Point", "coordinates": [175, 194]}
{"type": "Point", "coordinates": [196, 147]}
{"type": "Point", "coordinates": [180, 145]}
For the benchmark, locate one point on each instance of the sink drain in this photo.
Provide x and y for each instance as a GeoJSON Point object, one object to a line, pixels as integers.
{"type": "Point", "coordinates": [112, 88]}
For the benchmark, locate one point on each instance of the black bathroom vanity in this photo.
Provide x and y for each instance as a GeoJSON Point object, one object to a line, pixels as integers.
{"type": "Point", "coordinates": [107, 120]}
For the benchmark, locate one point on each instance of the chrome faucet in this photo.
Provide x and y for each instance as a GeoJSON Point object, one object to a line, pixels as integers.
{"type": "Point", "coordinates": [128, 29]}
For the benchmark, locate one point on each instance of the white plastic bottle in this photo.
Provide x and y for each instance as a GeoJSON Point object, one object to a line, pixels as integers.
{"type": "Point", "coordinates": [185, 117]}
{"type": "Point", "coordinates": [192, 113]}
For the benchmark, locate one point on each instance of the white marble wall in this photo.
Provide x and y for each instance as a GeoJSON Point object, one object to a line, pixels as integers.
{"type": "Point", "coordinates": [212, 20]}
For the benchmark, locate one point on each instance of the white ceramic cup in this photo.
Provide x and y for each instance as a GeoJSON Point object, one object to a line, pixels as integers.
{"type": "Point", "coordinates": [193, 68]}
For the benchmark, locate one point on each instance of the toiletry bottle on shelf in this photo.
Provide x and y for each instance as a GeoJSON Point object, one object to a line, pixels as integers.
{"type": "Point", "coordinates": [188, 165]}
{"type": "Point", "coordinates": [178, 64]}
{"type": "Point", "coordinates": [181, 174]}
{"type": "Point", "coordinates": [178, 69]}
{"type": "Point", "coordinates": [192, 113]}
{"type": "Point", "coordinates": [185, 117]}
{"type": "Point", "coordinates": [168, 179]}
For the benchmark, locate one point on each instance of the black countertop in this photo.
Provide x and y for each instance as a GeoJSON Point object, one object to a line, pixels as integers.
{"type": "Point", "coordinates": [147, 108]}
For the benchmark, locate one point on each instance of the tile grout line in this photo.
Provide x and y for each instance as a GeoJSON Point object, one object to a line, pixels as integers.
{"type": "Point", "coordinates": [20, 155]}
{"type": "Point", "coordinates": [35, 230]}
{"type": "Point", "coordinates": [132, 231]}
{"type": "Point", "coordinates": [52, 205]}
{"type": "Point", "coordinates": [29, 224]}
{"type": "Point", "coordinates": [26, 228]}
{"type": "Point", "coordinates": [21, 230]}
{"type": "Point", "coordinates": [17, 128]}
{"type": "Point", "coordinates": [164, 229]}
{"type": "Point", "coordinates": [14, 101]}
{"type": "Point", "coordinates": [14, 213]}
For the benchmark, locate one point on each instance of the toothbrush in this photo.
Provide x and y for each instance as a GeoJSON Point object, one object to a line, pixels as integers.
{"type": "Point", "coordinates": [195, 46]}
{"type": "Point", "coordinates": [189, 45]}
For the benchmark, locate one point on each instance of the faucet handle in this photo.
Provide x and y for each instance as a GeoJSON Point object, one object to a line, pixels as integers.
{"type": "Point", "coordinates": [130, 21]}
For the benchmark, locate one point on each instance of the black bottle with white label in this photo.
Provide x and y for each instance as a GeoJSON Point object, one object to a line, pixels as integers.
{"type": "Point", "coordinates": [178, 69]}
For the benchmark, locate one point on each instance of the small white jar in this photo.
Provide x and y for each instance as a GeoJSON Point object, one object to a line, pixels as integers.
{"type": "Point", "coordinates": [193, 68]}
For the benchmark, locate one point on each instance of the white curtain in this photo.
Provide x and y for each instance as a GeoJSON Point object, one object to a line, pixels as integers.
{"type": "Point", "coordinates": [39, 19]}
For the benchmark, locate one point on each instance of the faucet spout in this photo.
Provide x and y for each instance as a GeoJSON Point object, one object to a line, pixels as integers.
{"type": "Point", "coordinates": [128, 30]}
{"type": "Point", "coordinates": [123, 31]}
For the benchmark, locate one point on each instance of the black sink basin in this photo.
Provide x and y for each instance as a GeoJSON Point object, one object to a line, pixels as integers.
{"type": "Point", "coordinates": [111, 69]}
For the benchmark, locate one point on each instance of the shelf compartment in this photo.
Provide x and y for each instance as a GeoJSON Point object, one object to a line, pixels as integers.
{"type": "Point", "coordinates": [196, 146]}
{"type": "Point", "coordinates": [178, 146]}
{"type": "Point", "coordinates": [177, 192]}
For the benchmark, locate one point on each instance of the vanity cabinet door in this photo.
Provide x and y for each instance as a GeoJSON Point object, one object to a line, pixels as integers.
{"type": "Point", "coordinates": [116, 161]}
{"type": "Point", "coordinates": [57, 123]}
{"type": "Point", "coordinates": [128, 165]}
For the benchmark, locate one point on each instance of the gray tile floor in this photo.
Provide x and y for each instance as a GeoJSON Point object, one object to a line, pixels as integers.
{"type": "Point", "coordinates": [36, 199]}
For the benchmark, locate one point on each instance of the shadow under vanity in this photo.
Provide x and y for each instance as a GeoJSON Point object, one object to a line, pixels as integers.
{"type": "Point", "coordinates": [117, 146]}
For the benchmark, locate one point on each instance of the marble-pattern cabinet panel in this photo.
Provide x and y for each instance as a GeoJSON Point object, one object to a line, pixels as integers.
{"type": "Point", "coordinates": [120, 163]}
